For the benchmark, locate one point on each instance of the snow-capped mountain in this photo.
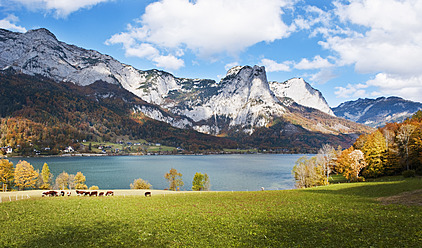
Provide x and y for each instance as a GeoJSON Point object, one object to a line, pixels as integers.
{"type": "Point", "coordinates": [377, 112]}
{"type": "Point", "coordinates": [243, 100]}
{"type": "Point", "coordinates": [302, 93]}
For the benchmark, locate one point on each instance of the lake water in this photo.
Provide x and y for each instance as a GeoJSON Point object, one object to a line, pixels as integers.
{"type": "Point", "coordinates": [226, 172]}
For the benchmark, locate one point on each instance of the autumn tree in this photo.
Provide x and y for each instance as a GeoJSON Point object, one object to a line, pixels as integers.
{"type": "Point", "coordinates": [175, 179]}
{"type": "Point", "coordinates": [140, 184]}
{"type": "Point", "coordinates": [374, 150]}
{"type": "Point", "coordinates": [62, 180]}
{"type": "Point", "coordinates": [308, 173]}
{"type": "Point", "coordinates": [350, 163]}
{"type": "Point", "coordinates": [25, 175]}
{"type": "Point", "coordinates": [46, 177]}
{"type": "Point", "coordinates": [80, 181]}
{"type": "Point", "coordinates": [6, 173]}
{"type": "Point", "coordinates": [403, 138]}
{"type": "Point", "coordinates": [198, 182]}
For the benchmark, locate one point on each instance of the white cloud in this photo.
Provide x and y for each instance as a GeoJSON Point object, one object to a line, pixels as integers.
{"type": "Point", "coordinates": [168, 62]}
{"type": "Point", "coordinates": [316, 63]}
{"type": "Point", "coordinates": [406, 87]}
{"type": "Point", "coordinates": [10, 23]}
{"type": "Point", "coordinates": [350, 90]}
{"type": "Point", "coordinates": [389, 39]}
{"type": "Point", "coordinates": [273, 66]}
{"type": "Point", "coordinates": [207, 28]}
{"type": "Point", "coordinates": [61, 8]}
{"type": "Point", "coordinates": [323, 76]}
{"type": "Point", "coordinates": [379, 37]}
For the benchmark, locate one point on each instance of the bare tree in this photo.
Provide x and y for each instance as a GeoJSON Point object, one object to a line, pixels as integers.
{"type": "Point", "coordinates": [325, 159]}
{"type": "Point", "coordinates": [403, 137]}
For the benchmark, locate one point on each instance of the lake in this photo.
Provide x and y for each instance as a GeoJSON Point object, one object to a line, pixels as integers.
{"type": "Point", "coordinates": [238, 172]}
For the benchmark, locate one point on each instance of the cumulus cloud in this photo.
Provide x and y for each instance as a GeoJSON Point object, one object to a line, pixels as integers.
{"type": "Point", "coordinates": [10, 23]}
{"type": "Point", "coordinates": [61, 8]}
{"type": "Point", "coordinates": [207, 27]}
{"type": "Point", "coordinates": [407, 87]}
{"type": "Point", "coordinates": [380, 37]}
{"type": "Point", "coordinates": [316, 63]}
{"type": "Point", "coordinates": [273, 66]}
{"type": "Point", "coordinates": [350, 90]}
{"type": "Point", "coordinates": [323, 76]}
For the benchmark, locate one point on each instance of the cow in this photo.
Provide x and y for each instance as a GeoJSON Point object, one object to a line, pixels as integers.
{"type": "Point", "coordinates": [101, 194]}
{"type": "Point", "coordinates": [80, 192]}
{"type": "Point", "coordinates": [93, 193]}
{"type": "Point", "coordinates": [87, 193]}
{"type": "Point", "coordinates": [109, 193]}
{"type": "Point", "coordinates": [50, 193]}
{"type": "Point", "coordinates": [62, 193]}
{"type": "Point", "coordinates": [148, 193]}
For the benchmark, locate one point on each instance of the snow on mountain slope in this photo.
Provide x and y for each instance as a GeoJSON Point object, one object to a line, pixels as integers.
{"type": "Point", "coordinates": [302, 93]}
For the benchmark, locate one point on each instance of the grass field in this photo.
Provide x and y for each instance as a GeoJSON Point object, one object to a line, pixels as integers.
{"type": "Point", "coordinates": [341, 215]}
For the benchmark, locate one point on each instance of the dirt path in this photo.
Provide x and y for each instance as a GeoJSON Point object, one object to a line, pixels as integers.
{"type": "Point", "coordinates": [410, 198]}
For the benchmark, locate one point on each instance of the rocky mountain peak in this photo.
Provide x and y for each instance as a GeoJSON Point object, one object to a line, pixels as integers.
{"type": "Point", "coordinates": [41, 33]}
{"type": "Point", "coordinates": [302, 93]}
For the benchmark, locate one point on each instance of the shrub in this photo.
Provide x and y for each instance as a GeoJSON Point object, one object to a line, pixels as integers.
{"type": "Point", "coordinates": [93, 187]}
{"type": "Point", "coordinates": [409, 173]}
{"type": "Point", "coordinates": [140, 184]}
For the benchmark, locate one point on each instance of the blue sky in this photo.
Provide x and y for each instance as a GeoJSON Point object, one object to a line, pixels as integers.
{"type": "Point", "coordinates": [346, 49]}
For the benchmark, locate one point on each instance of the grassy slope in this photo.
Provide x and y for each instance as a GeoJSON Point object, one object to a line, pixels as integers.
{"type": "Point", "coordinates": [342, 215]}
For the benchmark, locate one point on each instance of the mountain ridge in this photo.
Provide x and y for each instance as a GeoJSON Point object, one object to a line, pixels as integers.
{"type": "Point", "coordinates": [241, 103]}
{"type": "Point", "coordinates": [377, 112]}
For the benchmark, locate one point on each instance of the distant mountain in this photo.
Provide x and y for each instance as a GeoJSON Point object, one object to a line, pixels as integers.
{"type": "Point", "coordinates": [236, 107]}
{"type": "Point", "coordinates": [377, 112]}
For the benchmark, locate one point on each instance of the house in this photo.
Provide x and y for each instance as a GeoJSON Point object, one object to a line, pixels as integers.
{"type": "Point", "coordinates": [9, 150]}
{"type": "Point", "coordinates": [69, 149]}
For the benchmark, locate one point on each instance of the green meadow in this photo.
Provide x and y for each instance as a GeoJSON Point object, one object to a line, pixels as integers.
{"type": "Point", "coordinates": [338, 215]}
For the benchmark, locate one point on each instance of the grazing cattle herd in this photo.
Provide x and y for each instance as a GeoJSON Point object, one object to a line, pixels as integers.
{"type": "Point", "coordinates": [82, 193]}
{"type": "Point", "coordinates": [78, 192]}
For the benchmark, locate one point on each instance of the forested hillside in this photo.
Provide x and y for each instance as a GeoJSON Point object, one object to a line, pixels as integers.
{"type": "Point", "coordinates": [39, 113]}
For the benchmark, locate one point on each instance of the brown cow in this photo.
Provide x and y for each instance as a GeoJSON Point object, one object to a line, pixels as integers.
{"type": "Point", "coordinates": [109, 193]}
{"type": "Point", "coordinates": [101, 194]}
{"type": "Point", "coordinates": [93, 193]}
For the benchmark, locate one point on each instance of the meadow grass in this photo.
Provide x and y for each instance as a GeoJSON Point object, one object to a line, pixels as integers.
{"type": "Point", "coordinates": [341, 215]}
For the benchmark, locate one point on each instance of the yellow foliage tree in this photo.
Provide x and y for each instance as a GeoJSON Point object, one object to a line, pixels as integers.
{"type": "Point", "coordinates": [140, 184]}
{"type": "Point", "coordinates": [25, 175]}
{"type": "Point", "coordinates": [80, 181]}
{"type": "Point", "coordinates": [174, 178]}
{"type": "Point", "coordinates": [62, 180]}
{"type": "Point", "coordinates": [6, 173]}
{"type": "Point", "coordinates": [350, 163]}
{"type": "Point", "coordinates": [46, 177]}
